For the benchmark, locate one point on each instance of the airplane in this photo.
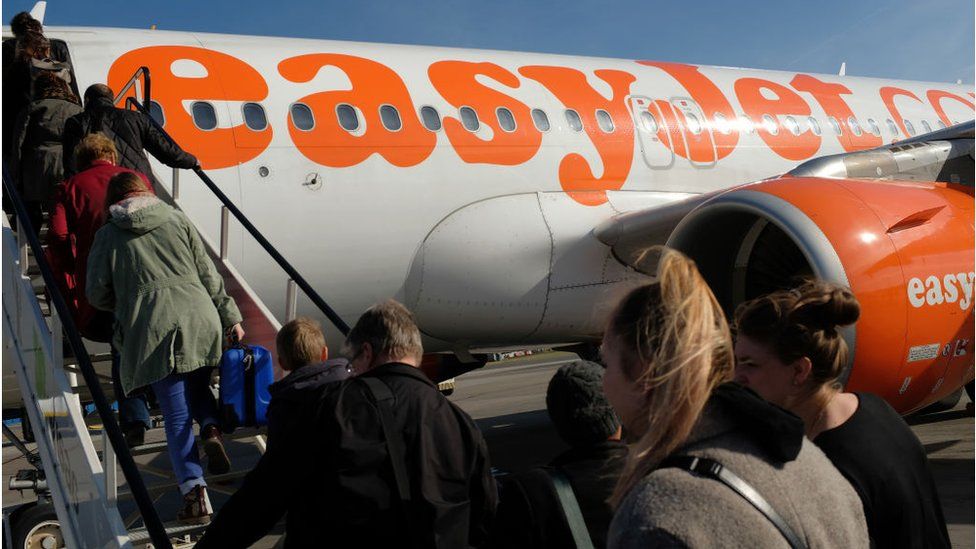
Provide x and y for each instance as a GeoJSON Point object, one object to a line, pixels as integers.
{"type": "Point", "coordinates": [505, 197]}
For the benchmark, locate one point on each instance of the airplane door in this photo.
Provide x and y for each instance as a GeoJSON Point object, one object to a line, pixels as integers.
{"type": "Point", "coordinates": [652, 135]}
{"type": "Point", "coordinates": [697, 132]}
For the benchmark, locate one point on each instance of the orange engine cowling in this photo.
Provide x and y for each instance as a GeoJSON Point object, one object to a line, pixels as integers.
{"type": "Point", "coordinates": [905, 249]}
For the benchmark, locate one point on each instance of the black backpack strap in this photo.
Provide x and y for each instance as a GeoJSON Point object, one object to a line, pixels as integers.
{"type": "Point", "coordinates": [715, 470]}
{"type": "Point", "coordinates": [570, 508]}
{"type": "Point", "coordinates": [384, 399]}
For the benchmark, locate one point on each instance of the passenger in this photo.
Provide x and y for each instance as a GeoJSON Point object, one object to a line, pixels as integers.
{"type": "Point", "coordinates": [336, 478]}
{"type": "Point", "coordinates": [303, 354]}
{"type": "Point", "coordinates": [148, 265]}
{"type": "Point", "coordinates": [78, 211]}
{"type": "Point", "coordinates": [37, 153]}
{"type": "Point", "coordinates": [669, 355]}
{"type": "Point", "coordinates": [789, 350]}
{"type": "Point", "coordinates": [530, 512]}
{"type": "Point", "coordinates": [16, 77]}
{"type": "Point", "coordinates": [132, 132]}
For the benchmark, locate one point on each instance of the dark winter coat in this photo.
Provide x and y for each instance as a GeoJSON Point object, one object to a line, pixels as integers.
{"type": "Point", "coordinates": [293, 397]}
{"type": "Point", "coordinates": [530, 514]}
{"type": "Point", "coordinates": [149, 267]}
{"type": "Point", "coordinates": [131, 131]}
{"type": "Point", "coordinates": [37, 151]}
{"type": "Point", "coordinates": [77, 212]}
{"type": "Point", "coordinates": [765, 446]}
{"type": "Point", "coordinates": [335, 480]}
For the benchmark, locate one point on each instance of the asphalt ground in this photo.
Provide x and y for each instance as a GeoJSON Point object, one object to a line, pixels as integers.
{"type": "Point", "coordinates": [507, 399]}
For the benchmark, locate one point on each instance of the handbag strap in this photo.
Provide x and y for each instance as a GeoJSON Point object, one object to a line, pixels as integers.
{"type": "Point", "coordinates": [384, 399]}
{"type": "Point", "coordinates": [250, 407]}
{"type": "Point", "coordinates": [715, 470]}
{"type": "Point", "coordinates": [571, 509]}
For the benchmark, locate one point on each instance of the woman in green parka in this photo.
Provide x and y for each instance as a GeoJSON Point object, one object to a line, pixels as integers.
{"type": "Point", "coordinates": [149, 267]}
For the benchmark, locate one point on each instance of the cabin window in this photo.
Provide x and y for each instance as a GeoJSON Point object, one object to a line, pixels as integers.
{"type": "Point", "coordinates": [909, 126]}
{"type": "Point", "coordinates": [156, 112]}
{"type": "Point", "coordinates": [204, 115]}
{"type": "Point", "coordinates": [875, 129]}
{"type": "Point", "coordinates": [301, 117]}
{"type": "Point", "coordinates": [814, 125]}
{"type": "Point", "coordinates": [540, 119]}
{"type": "Point", "coordinates": [604, 120]}
{"type": "Point", "coordinates": [574, 120]}
{"type": "Point", "coordinates": [892, 127]}
{"type": "Point", "coordinates": [505, 119]}
{"type": "Point", "coordinates": [254, 117]}
{"type": "Point", "coordinates": [648, 122]}
{"type": "Point", "coordinates": [855, 127]}
{"type": "Point", "coordinates": [348, 117]}
{"type": "Point", "coordinates": [722, 123]}
{"type": "Point", "coordinates": [694, 124]}
{"type": "Point", "coordinates": [835, 125]}
{"type": "Point", "coordinates": [469, 119]}
{"type": "Point", "coordinates": [926, 127]}
{"type": "Point", "coordinates": [391, 118]}
{"type": "Point", "coordinates": [431, 118]}
{"type": "Point", "coordinates": [745, 123]}
{"type": "Point", "coordinates": [769, 124]}
{"type": "Point", "coordinates": [792, 125]}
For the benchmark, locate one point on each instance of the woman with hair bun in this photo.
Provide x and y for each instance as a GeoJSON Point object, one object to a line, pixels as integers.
{"type": "Point", "coordinates": [789, 350]}
{"type": "Point", "coordinates": [669, 359]}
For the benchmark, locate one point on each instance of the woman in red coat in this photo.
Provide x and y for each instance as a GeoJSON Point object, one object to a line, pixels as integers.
{"type": "Point", "coordinates": [77, 213]}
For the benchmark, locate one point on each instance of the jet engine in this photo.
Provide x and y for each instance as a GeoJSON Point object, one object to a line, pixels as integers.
{"type": "Point", "coordinates": [904, 248]}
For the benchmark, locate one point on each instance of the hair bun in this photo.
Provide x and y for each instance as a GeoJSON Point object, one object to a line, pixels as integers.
{"type": "Point", "coordinates": [825, 306]}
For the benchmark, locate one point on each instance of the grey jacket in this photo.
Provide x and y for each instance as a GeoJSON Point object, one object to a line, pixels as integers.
{"type": "Point", "coordinates": [37, 154]}
{"type": "Point", "coordinates": [762, 445]}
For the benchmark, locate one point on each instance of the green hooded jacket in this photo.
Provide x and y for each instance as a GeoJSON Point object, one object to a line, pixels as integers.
{"type": "Point", "coordinates": [149, 266]}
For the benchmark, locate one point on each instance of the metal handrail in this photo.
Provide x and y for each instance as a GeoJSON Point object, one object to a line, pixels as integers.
{"type": "Point", "coordinates": [278, 258]}
{"type": "Point", "coordinates": [133, 81]}
{"type": "Point", "coordinates": [154, 525]}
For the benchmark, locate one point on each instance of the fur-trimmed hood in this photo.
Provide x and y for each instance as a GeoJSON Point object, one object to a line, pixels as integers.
{"type": "Point", "coordinates": [140, 214]}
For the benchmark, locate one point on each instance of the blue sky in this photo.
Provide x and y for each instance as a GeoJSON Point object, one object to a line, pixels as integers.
{"type": "Point", "coordinates": [906, 39]}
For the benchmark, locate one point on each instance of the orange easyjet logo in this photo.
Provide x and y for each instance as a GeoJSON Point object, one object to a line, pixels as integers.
{"type": "Point", "coordinates": [515, 137]}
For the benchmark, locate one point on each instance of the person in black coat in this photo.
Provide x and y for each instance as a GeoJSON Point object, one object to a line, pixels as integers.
{"type": "Point", "coordinates": [332, 471]}
{"type": "Point", "coordinates": [530, 514]}
{"type": "Point", "coordinates": [131, 131]}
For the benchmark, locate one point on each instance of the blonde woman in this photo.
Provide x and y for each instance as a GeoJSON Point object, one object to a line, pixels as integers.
{"type": "Point", "coordinates": [668, 354]}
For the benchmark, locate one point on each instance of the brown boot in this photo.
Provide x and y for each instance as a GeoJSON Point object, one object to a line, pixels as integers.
{"type": "Point", "coordinates": [196, 507]}
{"type": "Point", "coordinates": [218, 462]}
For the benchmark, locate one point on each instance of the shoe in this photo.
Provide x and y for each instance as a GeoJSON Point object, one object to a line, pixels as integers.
{"type": "Point", "coordinates": [218, 462]}
{"type": "Point", "coordinates": [196, 507]}
{"type": "Point", "coordinates": [134, 435]}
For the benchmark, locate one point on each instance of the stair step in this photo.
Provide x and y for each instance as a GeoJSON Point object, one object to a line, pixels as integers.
{"type": "Point", "coordinates": [173, 529]}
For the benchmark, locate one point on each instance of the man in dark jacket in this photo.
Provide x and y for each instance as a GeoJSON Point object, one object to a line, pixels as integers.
{"type": "Point", "coordinates": [337, 476]}
{"type": "Point", "coordinates": [130, 130]}
{"type": "Point", "coordinates": [530, 513]}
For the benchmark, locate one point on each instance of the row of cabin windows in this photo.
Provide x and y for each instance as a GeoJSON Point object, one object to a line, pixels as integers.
{"type": "Point", "coordinates": [205, 117]}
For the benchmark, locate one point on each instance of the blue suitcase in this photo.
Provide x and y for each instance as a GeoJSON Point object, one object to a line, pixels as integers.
{"type": "Point", "coordinates": [245, 374]}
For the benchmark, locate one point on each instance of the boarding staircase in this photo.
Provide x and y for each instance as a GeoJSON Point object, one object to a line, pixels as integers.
{"type": "Point", "coordinates": [78, 455]}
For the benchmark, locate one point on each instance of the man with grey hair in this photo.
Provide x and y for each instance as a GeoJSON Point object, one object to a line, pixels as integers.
{"type": "Point", "coordinates": [385, 460]}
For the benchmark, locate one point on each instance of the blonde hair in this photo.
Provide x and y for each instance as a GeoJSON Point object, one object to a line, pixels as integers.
{"type": "Point", "coordinates": [299, 342]}
{"type": "Point", "coordinates": [674, 343]}
{"type": "Point", "coordinates": [94, 146]}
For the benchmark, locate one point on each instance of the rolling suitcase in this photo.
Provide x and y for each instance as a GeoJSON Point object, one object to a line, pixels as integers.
{"type": "Point", "coordinates": [246, 371]}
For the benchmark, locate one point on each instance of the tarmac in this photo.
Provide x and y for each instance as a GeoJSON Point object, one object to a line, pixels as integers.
{"type": "Point", "coordinates": [507, 399]}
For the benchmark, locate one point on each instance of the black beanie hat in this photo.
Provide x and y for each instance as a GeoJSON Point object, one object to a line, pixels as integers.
{"type": "Point", "coordinates": [577, 406]}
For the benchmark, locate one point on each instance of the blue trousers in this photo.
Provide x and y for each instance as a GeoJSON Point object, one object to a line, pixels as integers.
{"type": "Point", "coordinates": [133, 409]}
{"type": "Point", "coordinates": [183, 398]}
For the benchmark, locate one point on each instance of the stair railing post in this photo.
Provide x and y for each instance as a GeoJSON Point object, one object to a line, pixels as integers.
{"type": "Point", "coordinates": [176, 184]}
{"type": "Point", "coordinates": [22, 244]}
{"type": "Point", "coordinates": [224, 231]}
{"type": "Point", "coordinates": [291, 301]}
{"type": "Point", "coordinates": [110, 470]}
